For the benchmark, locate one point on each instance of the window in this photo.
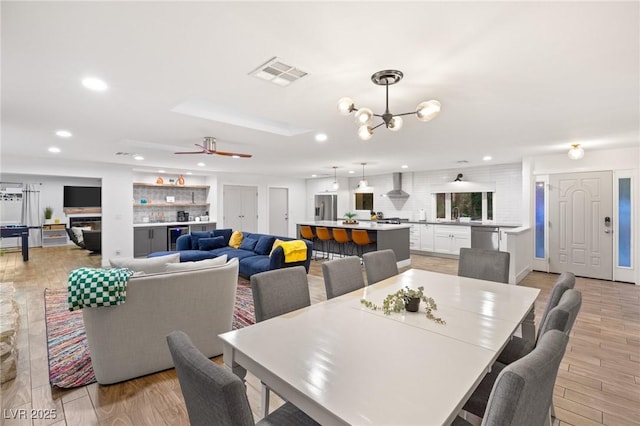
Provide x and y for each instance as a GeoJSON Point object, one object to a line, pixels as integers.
{"type": "Point", "coordinates": [472, 205]}
{"type": "Point", "coordinates": [364, 201]}
{"type": "Point", "coordinates": [624, 222]}
{"type": "Point", "coordinates": [539, 220]}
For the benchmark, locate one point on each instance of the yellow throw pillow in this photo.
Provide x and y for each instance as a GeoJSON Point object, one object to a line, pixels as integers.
{"type": "Point", "coordinates": [276, 244]}
{"type": "Point", "coordinates": [236, 239]}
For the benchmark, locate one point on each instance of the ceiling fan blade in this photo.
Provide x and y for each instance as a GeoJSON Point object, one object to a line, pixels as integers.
{"type": "Point", "coordinates": [232, 154]}
{"type": "Point", "coordinates": [191, 152]}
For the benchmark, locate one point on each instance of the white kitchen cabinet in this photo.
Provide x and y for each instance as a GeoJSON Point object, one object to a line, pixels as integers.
{"type": "Point", "coordinates": [426, 236]}
{"type": "Point", "coordinates": [450, 239]}
{"type": "Point", "coordinates": [414, 236]}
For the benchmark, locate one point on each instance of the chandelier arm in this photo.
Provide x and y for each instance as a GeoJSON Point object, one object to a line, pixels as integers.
{"type": "Point", "coordinates": [405, 113]}
{"type": "Point", "coordinates": [373, 128]}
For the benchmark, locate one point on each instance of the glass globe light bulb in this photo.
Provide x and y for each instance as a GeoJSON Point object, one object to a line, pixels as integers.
{"type": "Point", "coordinates": [365, 132]}
{"type": "Point", "coordinates": [395, 124]}
{"type": "Point", "coordinates": [336, 185]}
{"type": "Point", "coordinates": [576, 152]}
{"type": "Point", "coordinates": [364, 116]}
{"type": "Point", "coordinates": [345, 106]}
{"type": "Point", "coordinates": [428, 110]}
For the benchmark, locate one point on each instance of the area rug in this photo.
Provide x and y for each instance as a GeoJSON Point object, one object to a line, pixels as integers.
{"type": "Point", "coordinates": [69, 357]}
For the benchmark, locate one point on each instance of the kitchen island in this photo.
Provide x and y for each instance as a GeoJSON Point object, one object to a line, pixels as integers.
{"type": "Point", "coordinates": [386, 236]}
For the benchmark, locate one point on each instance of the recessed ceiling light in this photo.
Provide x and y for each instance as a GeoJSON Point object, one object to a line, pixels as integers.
{"type": "Point", "coordinates": [54, 149]}
{"type": "Point", "coordinates": [404, 166]}
{"type": "Point", "coordinates": [487, 158]}
{"type": "Point", "coordinates": [188, 173]}
{"type": "Point", "coordinates": [235, 156]}
{"type": "Point", "coordinates": [321, 137]}
{"type": "Point", "coordinates": [138, 157]}
{"type": "Point", "coordinates": [63, 133]}
{"type": "Point", "coordinates": [314, 175]}
{"type": "Point", "coordinates": [161, 171]}
{"type": "Point", "coordinates": [95, 84]}
{"type": "Point", "coordinates": [351, 172]}
{"type": "Point", "coordinates": [201, 164]}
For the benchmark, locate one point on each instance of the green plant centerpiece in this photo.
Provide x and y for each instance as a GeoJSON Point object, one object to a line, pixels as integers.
{"type": "Point", "coordinates": [405, 299]}
{"type": "Point", "coordinates": [350, 218]}
{"type": "Point", "coordinates": [48, 213]}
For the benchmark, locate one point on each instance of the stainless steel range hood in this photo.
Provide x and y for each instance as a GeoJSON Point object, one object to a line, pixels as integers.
{"type": "Point", "coordinates": [397, 191]}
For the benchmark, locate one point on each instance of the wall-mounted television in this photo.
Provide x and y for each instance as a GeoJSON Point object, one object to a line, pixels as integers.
{"type": "Point", "coordinates": [82, 196]}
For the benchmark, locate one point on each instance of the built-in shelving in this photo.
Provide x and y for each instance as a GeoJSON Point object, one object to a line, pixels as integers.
{"type": "Point", "coordinates": [169, 185]}
{"type": "Point", "coordinates": [54, 235]}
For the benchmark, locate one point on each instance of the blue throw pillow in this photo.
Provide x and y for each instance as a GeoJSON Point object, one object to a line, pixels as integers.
{"type": "Point", "coordinates": [195, 236]}
{"type": "Point", "coordinates": [211, 243]}
{"type": "Point", "coordinates": [226, 233]}
{"type": "Point", "coordinates": [264, 245]}
{"type": "Point", "coordinates": [248, 244]}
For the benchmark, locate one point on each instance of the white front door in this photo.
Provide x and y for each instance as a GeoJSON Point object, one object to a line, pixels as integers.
{"type": "Point", "coordinates": [580, 236]}
{"type": "Point", "coordinates": [279, 211]}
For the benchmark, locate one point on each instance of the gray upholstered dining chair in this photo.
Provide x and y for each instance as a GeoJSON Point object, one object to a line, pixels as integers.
{"type": "Point", "coordinates": [279, 291]}
{"type": "Point", "coordinates": [517, 347]}
{"type": "Point", "coordinates": [491, 265]}
{"type": "Point", "coordinates": [342, 276]}
{"type": "Point", "coordinates": [214, 395]}
{"type": "Point", "coordinates": [275, 293]}
{"type": "Point", "coordinates": [561, 319]}
{"type": "Point", "coordinates": [380, 265]}
{"type": "Point", "coordinates": [522, 392]}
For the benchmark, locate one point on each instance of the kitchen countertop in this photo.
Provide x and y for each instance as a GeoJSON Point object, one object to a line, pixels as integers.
{"type": "Point", "coordinates": [150, 224]}
{"type": "Point", "coordinates": [368, 225]}
{"type": "Point", "coordinates": [471, 223]}
{"type": "Point", "coordinates": [457, 223]}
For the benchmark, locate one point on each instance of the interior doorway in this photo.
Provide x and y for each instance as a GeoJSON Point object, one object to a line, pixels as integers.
{"type": "Point", "coordinates": [279, 211]}
{"type": "Point", "coordinates": [580, 224]}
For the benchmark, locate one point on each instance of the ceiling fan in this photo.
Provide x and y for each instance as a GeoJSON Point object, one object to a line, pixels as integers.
{"type": "Point", "coordinates": [209, 147]}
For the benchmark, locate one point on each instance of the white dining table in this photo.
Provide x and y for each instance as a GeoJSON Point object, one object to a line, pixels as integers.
{"type": "Point", "coordinates": [343, 363]}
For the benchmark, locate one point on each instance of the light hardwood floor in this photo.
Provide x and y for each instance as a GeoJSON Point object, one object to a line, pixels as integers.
{"type": "Point", "coordinates": [598, 382]}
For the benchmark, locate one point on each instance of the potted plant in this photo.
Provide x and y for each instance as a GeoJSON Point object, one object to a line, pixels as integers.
{"type": "Point", "coordinates": [350, 218]}
{"type": "Point", "coordinates": [406, 299]}
{"type": "Point", "coordinates": [48, 214]}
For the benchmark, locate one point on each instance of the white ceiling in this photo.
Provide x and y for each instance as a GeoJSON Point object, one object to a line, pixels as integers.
{"type": "Point", "coordinates": [515, 79]}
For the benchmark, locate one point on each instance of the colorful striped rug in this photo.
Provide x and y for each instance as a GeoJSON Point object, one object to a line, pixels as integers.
{"type": "Point", "coordinates": [69, 357]}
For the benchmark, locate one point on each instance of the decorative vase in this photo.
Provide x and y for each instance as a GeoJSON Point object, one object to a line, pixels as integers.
{"type": "Point", "coordinates": [181, 180]}
{"type": "Point", "coordinates": [159, 181]}
{"type": "Point", "coordinates": [412, 304]}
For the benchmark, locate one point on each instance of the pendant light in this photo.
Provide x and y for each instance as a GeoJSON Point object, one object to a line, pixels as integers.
{"type": "Point", "coordinates": [363, 183]}
{"type": "Point", "coordinates": [336, 185]}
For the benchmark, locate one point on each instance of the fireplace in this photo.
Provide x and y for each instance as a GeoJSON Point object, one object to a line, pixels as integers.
{"type": "Point", "coordinates": [95, 222]}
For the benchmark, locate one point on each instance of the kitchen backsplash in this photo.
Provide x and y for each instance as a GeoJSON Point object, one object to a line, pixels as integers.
{"type": "Point", "coordinates": [507, 198]}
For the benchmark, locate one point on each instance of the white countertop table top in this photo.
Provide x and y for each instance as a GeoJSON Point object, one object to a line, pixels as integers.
{"type": "Point", "coordinates": [367, 225]}
{"type": "Point", "coordinates": [343, 363]}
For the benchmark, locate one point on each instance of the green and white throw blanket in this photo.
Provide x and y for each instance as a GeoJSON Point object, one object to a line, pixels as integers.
{"type": "Point", "coordinates": [91, 287]}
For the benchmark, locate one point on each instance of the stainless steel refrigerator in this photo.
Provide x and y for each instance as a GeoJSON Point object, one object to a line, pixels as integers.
{"type": "Point", "coordinates": [326, 207]}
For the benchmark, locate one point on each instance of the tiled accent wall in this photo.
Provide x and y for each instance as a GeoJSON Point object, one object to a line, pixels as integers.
{"type": "Point", "coordinates": [155, 195]}
{"type": "Point", "coordinates": [507, 198]}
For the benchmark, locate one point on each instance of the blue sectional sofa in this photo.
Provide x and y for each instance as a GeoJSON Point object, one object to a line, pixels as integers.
{"type": "Point", "coordinates": [252, 258]}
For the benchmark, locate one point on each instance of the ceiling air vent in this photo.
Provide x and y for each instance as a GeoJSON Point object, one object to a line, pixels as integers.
{"type": "Point", "coordinates": [278, 72]}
